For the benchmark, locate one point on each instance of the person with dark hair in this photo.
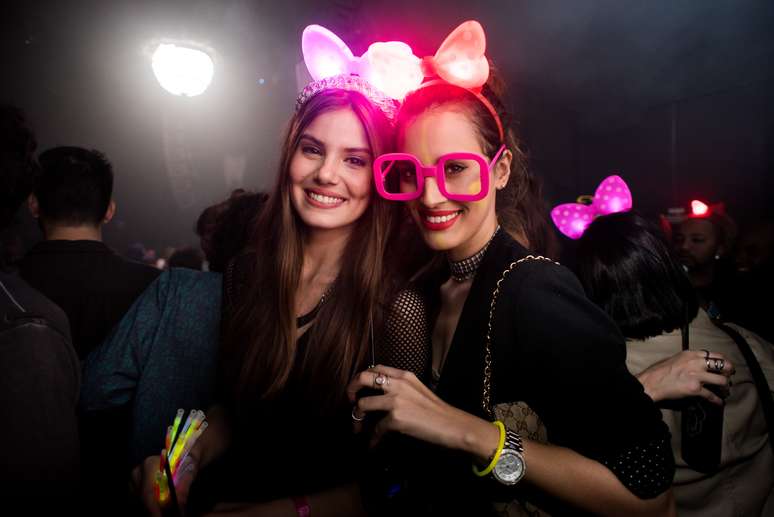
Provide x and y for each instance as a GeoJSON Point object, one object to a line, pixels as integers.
{"type": "Point", "coordinates": [704, 243]}
{"type": "Point", "coordinates": [627, 268]}
{"type": "Point", "coordinates": [72, 200]}
{"type": "Point", "coordinates": [18, 161]}
{"type": "Point", "coordinates": [512, 334]}
{"type": "Point", "coordinates": [206, 224]}
{"type": "Point", "coordinates": [188, 257]}
{"type": "Point", "coordinates": [39, 371]}
{"type": "Point", "coordinates": [137, 252]}
{"type": "Point", "coordinates": [617, 258]}
{"type": "Point", "coordinates": [233, 227]}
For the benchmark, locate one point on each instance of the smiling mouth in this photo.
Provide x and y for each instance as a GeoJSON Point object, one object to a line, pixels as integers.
{"type": "Point", "coordinates": [323, 200]}
{"type": "Point", "coordinates": [437, 221]}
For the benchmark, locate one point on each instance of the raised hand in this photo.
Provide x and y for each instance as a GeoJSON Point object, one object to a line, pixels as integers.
{"type": "Point", "coordinates": [411, 408]}
{"type": "Point", "coordinates": [685, 375]}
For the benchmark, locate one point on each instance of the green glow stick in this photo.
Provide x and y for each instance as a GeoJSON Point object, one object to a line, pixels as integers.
{"type": "Point", "coordinates": [189, 445]}
{"type": "Point", "coordinates": [179, 443]}
{"type": "Point", "coordinates": [175, 426]}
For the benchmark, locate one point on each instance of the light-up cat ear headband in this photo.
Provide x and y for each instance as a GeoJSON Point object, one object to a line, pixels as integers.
{"type": "Point", "coordinates": [388, 71]}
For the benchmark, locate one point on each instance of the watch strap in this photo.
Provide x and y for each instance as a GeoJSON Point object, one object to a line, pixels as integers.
{"type": "Point", "coordinates": [513, 441]}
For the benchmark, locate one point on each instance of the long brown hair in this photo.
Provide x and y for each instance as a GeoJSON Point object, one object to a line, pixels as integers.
{"type": "Point", "coordinates": [521, 209]}
{"type": "Point", "coordinates": [259, 348]}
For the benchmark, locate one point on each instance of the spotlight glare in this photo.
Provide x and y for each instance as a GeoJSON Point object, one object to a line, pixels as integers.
{"type": "Point", "coordinates": [182, 70]}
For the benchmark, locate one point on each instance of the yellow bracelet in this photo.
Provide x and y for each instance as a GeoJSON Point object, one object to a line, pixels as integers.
{"type": "Point", "coordinates": [496, 456]}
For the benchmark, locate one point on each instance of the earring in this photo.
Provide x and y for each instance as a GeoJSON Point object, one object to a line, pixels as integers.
{"type": "Point", "coordinates": [717, 256]}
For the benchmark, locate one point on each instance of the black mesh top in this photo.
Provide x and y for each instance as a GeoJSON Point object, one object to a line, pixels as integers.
{"type": "Point", "coordinates": [406, 339]}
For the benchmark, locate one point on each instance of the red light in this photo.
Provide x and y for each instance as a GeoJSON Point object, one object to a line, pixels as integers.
{"type": "Point", "coordinates": [698, 208]}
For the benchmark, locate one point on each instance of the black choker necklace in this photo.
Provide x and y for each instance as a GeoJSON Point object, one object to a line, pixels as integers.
{"type": "Point", "coordinates": [466, 268]}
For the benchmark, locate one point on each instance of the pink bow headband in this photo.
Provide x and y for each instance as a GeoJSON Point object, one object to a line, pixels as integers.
{"type": "Point", "coordinates": [391, 68]}
{"type": "Point", "coordinates": [611, 196]}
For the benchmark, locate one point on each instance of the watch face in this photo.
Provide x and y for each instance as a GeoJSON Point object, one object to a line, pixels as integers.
{"type": "Point", "coordinates": [510, 467]}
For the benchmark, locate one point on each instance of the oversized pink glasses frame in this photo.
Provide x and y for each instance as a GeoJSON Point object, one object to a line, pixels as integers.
{"type": "Point", "coordinates": [433, 171]}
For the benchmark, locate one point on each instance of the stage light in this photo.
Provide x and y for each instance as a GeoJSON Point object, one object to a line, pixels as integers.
{"type": "Point", "coordinates": [182, 70]}
{"type": "Point", "coordinates": [698, 208]}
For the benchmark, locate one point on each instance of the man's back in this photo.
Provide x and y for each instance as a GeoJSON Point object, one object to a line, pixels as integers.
{"type": "Point", "coordinates": [92, 284]}
{"type": "Point", "coordinates": [39, 385]}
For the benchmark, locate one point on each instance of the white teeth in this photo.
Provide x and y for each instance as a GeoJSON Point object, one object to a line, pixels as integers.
{"type": "Point", "coordinates": [435, 219]}
{"type": "Point", "coordinates": [325, 199]}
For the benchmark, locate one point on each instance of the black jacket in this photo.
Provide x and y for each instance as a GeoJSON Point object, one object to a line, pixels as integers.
{"type": "Point", "coordinates": [91, 283]}
{"type": "Point", "coordinates": [558, 352]}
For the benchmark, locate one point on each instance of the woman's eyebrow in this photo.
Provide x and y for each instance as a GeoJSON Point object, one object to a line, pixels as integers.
{"type": "Point", "coordinates": [312, 139]}
{"type": "Point", "coordinates": [320, 143]}
{"type": "Point", "coordinates": [358, 150]}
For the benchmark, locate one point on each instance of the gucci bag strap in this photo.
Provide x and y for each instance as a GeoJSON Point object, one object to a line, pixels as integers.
{"type": "Point", "coordinates": [486, 398]}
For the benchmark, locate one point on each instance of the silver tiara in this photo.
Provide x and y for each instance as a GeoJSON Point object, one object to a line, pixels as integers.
{"type": "Point", "coordinates": [351, 83]}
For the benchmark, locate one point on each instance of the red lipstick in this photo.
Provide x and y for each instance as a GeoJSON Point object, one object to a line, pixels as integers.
{"type": "Point", "coordinates": [437, 226]}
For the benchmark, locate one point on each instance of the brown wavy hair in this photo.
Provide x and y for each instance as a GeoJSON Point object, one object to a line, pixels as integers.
{"type": "Point", "coordinates": [521, 209]}
{"type": "Point", "coordinates": [259, 347]}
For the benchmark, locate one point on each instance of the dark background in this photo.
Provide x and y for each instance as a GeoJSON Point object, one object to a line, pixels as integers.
{"type": "Point", "coordinates": [677, 97]}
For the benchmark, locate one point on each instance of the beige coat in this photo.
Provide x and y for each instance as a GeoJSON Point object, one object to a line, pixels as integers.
{"type": "Point", "coordinates": [745, 484]}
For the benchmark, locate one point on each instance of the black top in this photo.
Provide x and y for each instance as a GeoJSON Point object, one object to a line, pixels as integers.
{"type": "Point", "coordinates": [558, 352]}
{"type": "Point", "coordinates": [39, 384]}
{"type": "Point", "coordinates": [90, 282]}
{"type": "Point", "coordinates": [283, 447]}
{"type": "Point", "coordinates": [294, 444]}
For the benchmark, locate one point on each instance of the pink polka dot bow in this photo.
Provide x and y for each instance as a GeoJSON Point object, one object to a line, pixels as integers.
{"type": "Point", "coordinates": [612, 196]}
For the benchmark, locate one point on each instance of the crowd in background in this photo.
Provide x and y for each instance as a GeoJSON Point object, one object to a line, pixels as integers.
{"type": "Point", "coordinates": [116, 333]}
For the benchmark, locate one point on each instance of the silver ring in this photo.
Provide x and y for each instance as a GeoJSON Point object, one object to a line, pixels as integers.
{"type": "Point", "coordinates": [715, 364]}
{"type": "Point", "coordinates": [355, 417]}
{"type": "Point", "coordinates": [381, 380]}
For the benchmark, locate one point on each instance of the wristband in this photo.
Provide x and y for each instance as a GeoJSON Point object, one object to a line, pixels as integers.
{"type": "Point", "coordinates": [302, 506]}
{"type": "Point", "coordinates": [496, 455]}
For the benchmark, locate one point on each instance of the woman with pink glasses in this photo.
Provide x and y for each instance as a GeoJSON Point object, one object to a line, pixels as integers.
{"type": "Point", "coordinates": [512, 335]}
